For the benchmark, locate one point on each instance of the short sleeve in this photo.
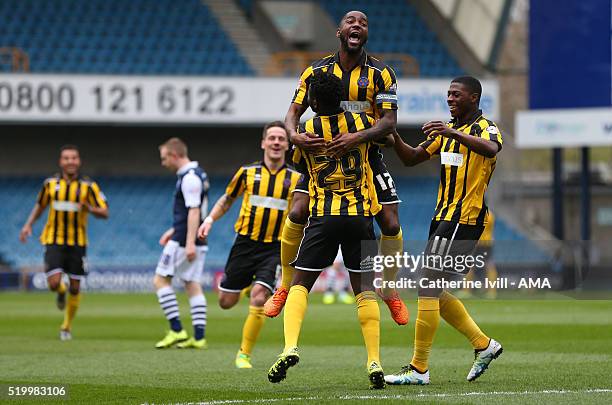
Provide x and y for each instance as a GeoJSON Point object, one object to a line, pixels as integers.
{"type": "Point", "coordinates": [191, 187]}
{"type": "Point", "coordinates": [236, 185]}
{"type": "Point", "coordinates": [301, 92]}
{"type": "Point", "coordinates": [432, 145]}
{"type": "Point", "coordinates": [490, 131]}
{"type": "Point", "coordinates": [43, 195]}
{"type": "Point", "coordinates": [96, 197]}
{"type": "Point", "coordinates": [386, 96]}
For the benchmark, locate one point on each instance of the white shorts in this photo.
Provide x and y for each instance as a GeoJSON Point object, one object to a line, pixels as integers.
{"type": "Point", "coordinates": [173, 261]}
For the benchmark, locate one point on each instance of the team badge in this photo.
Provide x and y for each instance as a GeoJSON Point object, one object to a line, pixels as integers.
{"type": "Point", "coordinates": [363, 82]}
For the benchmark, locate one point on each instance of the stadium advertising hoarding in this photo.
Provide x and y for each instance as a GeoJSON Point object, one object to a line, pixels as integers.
{"type": "Point", "coordinates": [192, 100]}
{"type": "Point", "coordinates": [564, 128]}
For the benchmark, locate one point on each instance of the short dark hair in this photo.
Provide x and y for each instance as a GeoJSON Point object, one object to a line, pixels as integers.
{"type": "Point", "coordinates": [327, 89]}
{"type": "Point", "coordinates": [69, 146]}
{"type": "Point", "coordinates": [472, 83]}
{"type": "Point", "coordinates": [277, 123]}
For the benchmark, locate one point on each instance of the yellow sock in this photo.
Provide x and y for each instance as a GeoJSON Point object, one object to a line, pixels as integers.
{"type": "Point", "coordinates": [72, 304]}
{"type": "Point", "coordinates": [389, 246]}
{"type": "Point", "coordinates": [295, 309]}
{"type": "Point", "coordinates": [62, 288]}
{"type": "Point", "coordinates": [453, 312]}
{"type": "Point", "coordinates": [492, 276]}
{"type": "Point", "coordinates": [369, 319]}
{"type": "Point", "coordinates": [252, 326]}
{"type": "Point", "coordinates": [290, 242]}
{"type": "Point", "coordinates": [428, 319]}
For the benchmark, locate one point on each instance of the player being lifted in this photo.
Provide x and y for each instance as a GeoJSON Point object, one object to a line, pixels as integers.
{"type": "Point", "coordinates": [255, 256]}
{"type": "Point", "coordinates": [467, 147]}
{"type": "Point", "coordinates": [340, 215]}
{"type": "Point", "coordinates": [70, 197]}
{"type": "Point", "coordinates": [183, 253]}
{"type": "Point", "coordinates": [369, 86]}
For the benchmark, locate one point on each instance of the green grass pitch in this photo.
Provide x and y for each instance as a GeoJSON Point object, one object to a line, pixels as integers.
{"type": "Point", "coordinates": [555, 351]}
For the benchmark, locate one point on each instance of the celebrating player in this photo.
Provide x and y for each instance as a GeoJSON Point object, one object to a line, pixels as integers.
{"type": "Point", "coordinates": [70, 197]}
{"type": "Point", "coordinates": [183, 253]}
{"type": "Point", "coordinates": [467, 147]}
{"type": "Point", "coordinates": [340, 215]}
{"type": "Point", "coordinates": [368, 86]}
{"type": "Point", "coordinates": [255, 257]}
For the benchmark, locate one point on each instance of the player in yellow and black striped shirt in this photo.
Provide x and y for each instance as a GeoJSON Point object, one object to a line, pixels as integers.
{"type": "Point", "coordinates": [341, 216]}
{"type": "Point", "coordinates": [369, 86]}
{"type": "Point", "coordinates": [70, 197]}
{"type": "Point", "coordinates": [467, 146]}
{"type": "Point", "coordinates": [266, 189]}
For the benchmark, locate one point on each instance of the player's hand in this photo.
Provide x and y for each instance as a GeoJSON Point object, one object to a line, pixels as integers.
{"type": "Point", "coordinates": [165, 238]}
{"type": "Point", "coordinates": [25, 233]}
{"type": "Point", "coordinates": [309, 142]}
{"type": "Point", "coordinates": [437, 128]}
{"type": "Point", "coordinates": [342, 144]}
{"type": "Point", "coordinates": [190, 251]}
{"type": "Point", "coordinates": [204, 229]}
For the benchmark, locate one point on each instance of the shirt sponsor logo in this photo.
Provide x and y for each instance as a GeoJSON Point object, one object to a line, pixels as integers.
{"type": "Point", "coordinates": [65, 206]}
{"type": "Point", "coordinates": [268, 202]}
{"type": "Point", "coordinates": [452, 159]}
{"type": "Point", "coordinates": [355, 106]}
{"type": "Point", "coordinates": [386, 97]}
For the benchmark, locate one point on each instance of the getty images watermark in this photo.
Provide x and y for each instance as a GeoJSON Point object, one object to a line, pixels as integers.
{"type": "Point", "coordinates": [446, 272]}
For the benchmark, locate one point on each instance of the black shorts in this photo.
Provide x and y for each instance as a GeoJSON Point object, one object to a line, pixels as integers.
{"type": "Point", "coordinates": [251, 261]}
{"type": "Point", "coordinates": [323, 235]}
{"type": "Point", "coordinates": [71, 260]}
{"type": "Point", "coordinates": [451, 245]}
{"type": "Point", "coordinates": [383, 182]}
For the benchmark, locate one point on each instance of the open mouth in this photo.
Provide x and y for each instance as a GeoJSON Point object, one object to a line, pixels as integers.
{"type": "Point", "coordinates": [354, 38]}
{"type": "Point", "coordinates": [452, 108]}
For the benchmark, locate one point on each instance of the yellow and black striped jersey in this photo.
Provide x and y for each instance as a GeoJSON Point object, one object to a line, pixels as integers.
{"type": "Point", "coordinates": [464, 174]}
{"type": "Point", "coordinates": [67, 218]}
{"type": "Point", "coordinates": [370, 87]}
{"type": "Point", "coordinates": [339, 186]}
{"type": "Point", "coordinates": [267, 196]}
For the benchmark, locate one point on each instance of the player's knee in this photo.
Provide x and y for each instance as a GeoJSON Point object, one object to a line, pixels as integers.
{"type": "Point", "coordinates": [299, 211]}
{"type": "Point", "coordinates": [159, 282]}
{"type": "Point", "coordinates": [53, 284]}
{"type": "Point", "coordinates": [389, 225]}
{"type": "Point", "coordinates": [74, 290]}
{"type": "Point", "coordinates": [226, 301]}
{"type": "Point", "coordinates": [258, 298]}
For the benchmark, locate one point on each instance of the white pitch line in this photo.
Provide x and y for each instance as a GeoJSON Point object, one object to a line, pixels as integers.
{"type": "Point", "coordinates": [413, 396]}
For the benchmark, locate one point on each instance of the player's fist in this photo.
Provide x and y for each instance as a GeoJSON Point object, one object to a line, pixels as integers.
{"type": "Point", "coordinates": [204, 229]}
{"type": "Point", "coordinates": [165, 238]}
{"type": "Point", "coordinates": [25, 233]}
{"type": "Point", "coordinates": [190, 251]}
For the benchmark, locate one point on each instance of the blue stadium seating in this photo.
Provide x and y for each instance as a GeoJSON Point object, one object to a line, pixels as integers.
{"type": "Point", "coordinates": [395, 27]}
{"type": "Point", "coordinates": [120, 37]}
{"type": "Point", "coordinates": [141, 211]}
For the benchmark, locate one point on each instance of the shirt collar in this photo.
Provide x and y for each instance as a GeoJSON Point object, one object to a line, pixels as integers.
{"type": "Point", "coordinates": [469, 121]}
{"type": "Point", "coordinates": [186, 167]}
{"type": "Point", "coordinates": [362, 59]}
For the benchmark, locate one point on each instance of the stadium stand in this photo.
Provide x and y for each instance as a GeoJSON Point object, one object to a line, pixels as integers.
{"type": "Point", "coordinates": [140, 211]}
{"type": "Point", "coordinates": [180, 37]}
{"type": "Point", "coordinates": [395, 28]}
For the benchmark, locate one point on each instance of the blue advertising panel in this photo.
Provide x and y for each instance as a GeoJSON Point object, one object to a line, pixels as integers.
{"type": "Point", "coordinates": [570, 45]}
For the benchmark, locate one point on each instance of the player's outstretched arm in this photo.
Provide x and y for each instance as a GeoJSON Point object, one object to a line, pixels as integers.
{"type": "Point", "coordinates": [306, 141]}
{"type": "Point", "coordinates": [479, 145]}
{"type": "Point", "coordinates": [408, 155]}
{"type": "Point", "coordinates": [383, 127]}
{"type": "Point", "coordinates": [223, 204]}
{"type": "Point", "coordinates": [165, 238]}
{"type": "Point", "coordinates": [26, 231]}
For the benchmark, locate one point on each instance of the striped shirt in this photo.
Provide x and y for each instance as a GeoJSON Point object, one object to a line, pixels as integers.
{"type": "Point", "coordinates": [267, 196]}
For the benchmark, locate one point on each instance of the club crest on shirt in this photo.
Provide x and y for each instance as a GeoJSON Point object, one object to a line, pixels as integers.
{"type": "Point", "coordinates": [363, 82]}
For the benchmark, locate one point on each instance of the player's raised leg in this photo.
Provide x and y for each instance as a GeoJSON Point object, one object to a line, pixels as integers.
{"type": "Point", "coordinates": [391, 243]}
{"type": "Point", "coordinates": [57, 285]}
{"type": "Point", "coordinates": [292, 233]}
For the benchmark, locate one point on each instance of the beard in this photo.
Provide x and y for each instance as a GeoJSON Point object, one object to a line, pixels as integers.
{"type": "Point", "coordinates": [346, 47]}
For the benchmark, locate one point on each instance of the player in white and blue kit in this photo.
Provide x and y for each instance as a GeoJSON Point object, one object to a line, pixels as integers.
{"type": "Point", "coordinates": [183, 253]}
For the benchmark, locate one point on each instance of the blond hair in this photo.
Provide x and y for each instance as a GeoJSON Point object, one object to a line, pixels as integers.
{"type": "Point", "coordinates": [175, 145]}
